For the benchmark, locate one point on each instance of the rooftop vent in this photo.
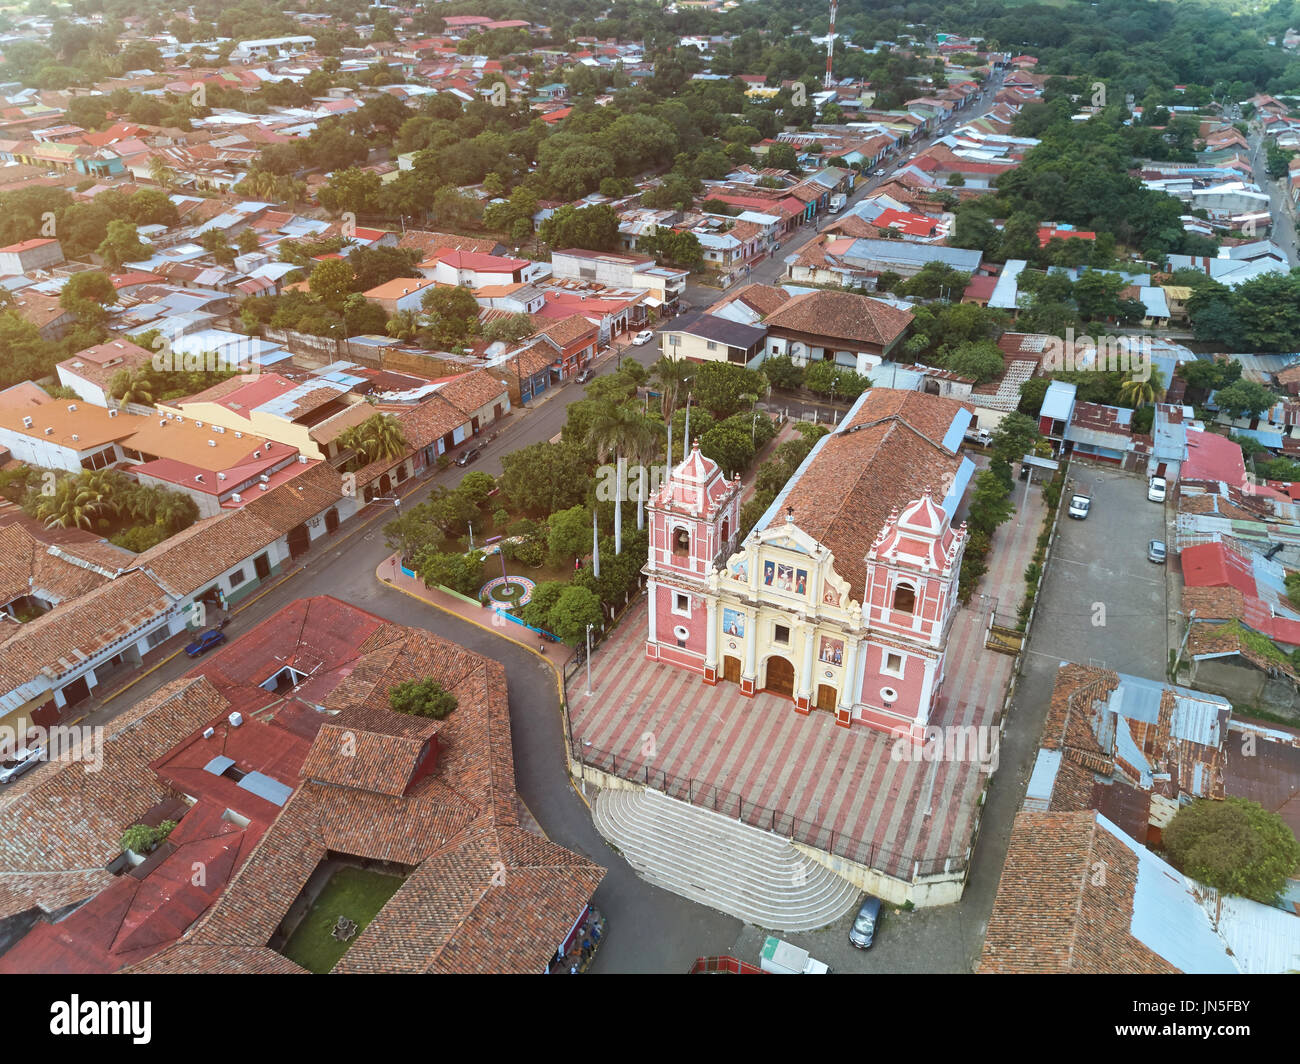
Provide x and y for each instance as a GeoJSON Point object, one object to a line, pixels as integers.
{"type": "Point", "coordinates": [261, 487]}
{"type": "Point", "coordinates": [239, 435]}
{"type": "Point", "coordinates": [264, 479]}
{"type": "Point", "coordinates": [208, 733]}
{"type": "Point", "coordinates": [218, 428]}
{"type": "Point", "coordinates": [72, 408]}
{"type": "Point", "coordinates": [302, 459]}
{"type": "Point", "coordinates": [212, 443]}
{"type": "Point", "coordinates": [49, 431]}
{"type": "Point", "coordinates": [221, 476]}
{"type": "Point", "coordinates": [27, 422]}
{"type": "Point", "coordinates": [112, 413]}
{"type": "Point", "coordinates": [75, 438]}
{"type": "Point", "coordinates": [236, 719]}
{"type": "Point", "coordinates": [236, 497]}
{"type": "Point", "coordinates": [257, 454]}
{"type": "Point", "coordinates": [198, 477]}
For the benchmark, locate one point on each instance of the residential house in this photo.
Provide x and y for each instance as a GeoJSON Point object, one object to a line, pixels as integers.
{"type": "Point", "coordinates": [701, 337]}
{"type": "Point", "coordinates": [852, 330]}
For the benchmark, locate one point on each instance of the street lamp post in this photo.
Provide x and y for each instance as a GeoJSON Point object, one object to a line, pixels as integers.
{"type": "Point", "coordinates": [589, 628]}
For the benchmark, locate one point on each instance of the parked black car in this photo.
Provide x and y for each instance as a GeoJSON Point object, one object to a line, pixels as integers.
{"type": "Point", "coordinates": [470, 455]}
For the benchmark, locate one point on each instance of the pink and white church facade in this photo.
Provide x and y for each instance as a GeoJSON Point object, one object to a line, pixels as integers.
{"type": "Point", "coordinates": [779, 612]}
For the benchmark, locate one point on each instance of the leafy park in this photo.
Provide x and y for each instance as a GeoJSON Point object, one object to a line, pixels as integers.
{"type": "Point", "coordinates": [532, 530]}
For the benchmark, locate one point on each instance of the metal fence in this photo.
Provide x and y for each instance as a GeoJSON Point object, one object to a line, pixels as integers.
{"type": "Point", "coordinates": [819, 836]}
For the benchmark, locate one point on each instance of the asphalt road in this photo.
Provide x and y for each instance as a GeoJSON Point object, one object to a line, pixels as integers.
{"type": "Point", "coordinates": [1284, 230]}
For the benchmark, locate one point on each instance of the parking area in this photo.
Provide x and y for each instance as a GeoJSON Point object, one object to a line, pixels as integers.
{"type": "Point", "coordinates": [1103, 601]}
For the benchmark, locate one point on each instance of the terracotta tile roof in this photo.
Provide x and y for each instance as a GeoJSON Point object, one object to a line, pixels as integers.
{"type": "Point", "coordinates": [429, 242]}
{"type": "Point", "coordinates": [311, 492]}
{"type": "Point", "coordinates": [1053, 914]}
{"type": "Point", "coordinates": [458, 828]}
{"type": "Point", "coordinates": [428, 420]}
{"type": "Point", "coordinates": [61, 825]}
{"type": "Point", "coordinates": [841, 315]}
{"type": "Point", "coordinates": [844, 496]}
{"type": "Point", "coordinates": [53, 642]}
{"type": "Point", "coordinates": [366, 760]}
{"type": "Point", "coordinates": [205, 550]}
{"type": "Point", "coordinates": [1214, 603]}
{"type": "Point", "coordinates": [335, 425]}
{"type": "Point", "coordinates": [1206, 638]}
{"type": "Point", "coordinates": [473, 390]}
{"type": "Point", "coordinates": [27, 565]}
{"type": "Point", "coordinates": [566, 331]}
{"type": "Point", "coordinates": [533, 359]}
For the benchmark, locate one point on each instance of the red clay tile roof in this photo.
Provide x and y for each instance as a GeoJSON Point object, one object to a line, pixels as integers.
{"type": "Point", "coordinates": [841, 315]}
{"type": "Point", "coordinates": [1053, 914]}
{"type": "Point", "coordinates": [53, 642]}
{"type": "Point", "coordinates": [61, 825]}
{"type": "Point", "coordinates": [843, 498]}
{"type": "Point", "coordinates": [205, 550]}
{"type": "Point", "coordinates": [474, 390]}
{"type": "Point", "coordinates": [482, 895]}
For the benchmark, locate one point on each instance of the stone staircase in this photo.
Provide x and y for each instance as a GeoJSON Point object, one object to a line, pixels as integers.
{"type": "Point", "coordinates": [711, 859]}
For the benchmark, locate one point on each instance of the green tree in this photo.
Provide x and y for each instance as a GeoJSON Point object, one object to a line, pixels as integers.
{"type": "Point", "coordinates": [575, 609]}
{"type": "Point", "coordinates": [623, 432]}
{"type": "Point", "coordinates": [121, 244]}
{"type": "Point", "coordinates": [377, 438]}
{"type": "Point", "coordinates": [453, 314]}
{"type": "Point", "coordinates": [332, 281]}
{"type": "Point", "coordinates": [460, 572]}
{"type": "Point", "coordinates": [87, 294]}
{"type": "Point", "coordinates": [1244, 399]}
{"type": "Point", "coordinates": [592, 228]}
{"type": "Point", "coordinates": [1234, 845]}
{"type": "Point", "coordinates": [990, 504]}
{"type": "Point", "coordinates": [568, 534]}
{"type": "Point", "coordinates": [1015, 437]}
{"type": "Point", "coordinates": [422, 698]}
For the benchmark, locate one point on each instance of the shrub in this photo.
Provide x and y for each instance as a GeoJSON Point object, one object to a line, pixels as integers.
{"type": "Point", "coordinates": [422, 698]}
{"type": "Point", "coordinates": [1234, 845]}
{"type": "Point", "coordinates": [141, 838]}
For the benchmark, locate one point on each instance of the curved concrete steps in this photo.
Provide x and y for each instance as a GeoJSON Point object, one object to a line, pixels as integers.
{"type": "Point", "coordinates": [709, 858]}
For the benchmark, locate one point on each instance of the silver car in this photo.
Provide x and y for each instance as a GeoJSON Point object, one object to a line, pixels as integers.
{"type": "Point", "coordinates": [863, 931]}
{"type": "Point", "coordinates": [19, 762]}
{"type": "Point", "coordinates": [1157, 551]}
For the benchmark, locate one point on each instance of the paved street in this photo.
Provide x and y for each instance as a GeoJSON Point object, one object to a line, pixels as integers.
{"type": "Point", "coordinates": [1284, 229]}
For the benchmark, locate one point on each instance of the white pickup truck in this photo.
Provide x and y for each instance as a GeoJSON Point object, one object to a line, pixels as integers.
{"type": "Point", "coordinates": [781, 958]}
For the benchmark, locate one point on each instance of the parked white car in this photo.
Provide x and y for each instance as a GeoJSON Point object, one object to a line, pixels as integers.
{"type": "Point", "coordinates": [643, 337]}
{"type": "Point", "coordinates": [1156, 489]}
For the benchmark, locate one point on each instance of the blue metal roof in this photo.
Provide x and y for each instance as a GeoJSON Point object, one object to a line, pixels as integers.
{"type": "Point", "coordinates": [218, 764]}
{"type": "Point", "coordinates": [264, 786]}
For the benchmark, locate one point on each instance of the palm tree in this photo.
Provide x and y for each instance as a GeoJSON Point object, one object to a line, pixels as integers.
{"type": "Point", "coordinates": [405, 324]}
{"type": "Point", "coordinates": [671, 374]}
{"type": "Point", "coordinates": [622, 431]}
{"type": "Point", "coordinates": [379, 436]}
{"type": "Point", "coordinates": [70, 506]}
{"type": "Point", "coordinates": [160, 172]}
{"type": "Point", "coordinates": [132, 386]}
{"type": "Point", "coordinates": [1137, 393]}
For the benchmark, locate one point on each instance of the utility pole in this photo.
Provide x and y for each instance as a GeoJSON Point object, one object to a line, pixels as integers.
{"type": "Point", "coordinates": [589, 628]}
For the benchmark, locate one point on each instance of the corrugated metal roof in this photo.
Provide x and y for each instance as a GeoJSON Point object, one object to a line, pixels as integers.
{"type": "Point", "coordinates": [1058, 401]}
{"type": "Point", "coordinates": [1042, 780]}
{"type": "Point", "coordinates": [1196, 720]}
{"type": "Point", "coordinates": [264, 786]}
